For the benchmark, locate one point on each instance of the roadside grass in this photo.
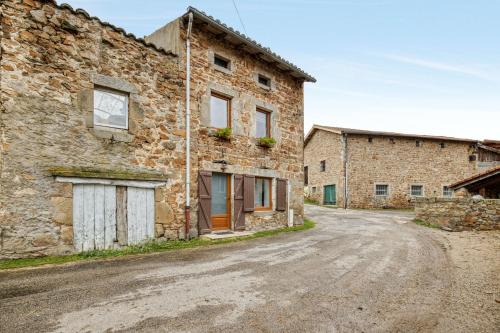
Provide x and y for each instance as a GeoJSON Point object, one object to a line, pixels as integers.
{"type": "Point", "coordinates": [315, 203]}
{"type": "Point", "coordinates": [308, 201]}
{"type": "Point", "coordinates": [426, 224]}
{"type": "Point", "coordinates": [149, 247]}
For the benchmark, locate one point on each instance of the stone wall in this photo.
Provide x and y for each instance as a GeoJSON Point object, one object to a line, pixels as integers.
{"type": "Point", "coordinates": [400, 164]}
{"type": "Point", "coordinates": [51, 60]}
{"type": "Point", "coordinates": [459, 214]}
{"type": "Point", "coordinates": [397, 162]}
{"type": "Point", "coordinates": [243, 155]}
{"type": "Point", "coordinates": [329, 147]}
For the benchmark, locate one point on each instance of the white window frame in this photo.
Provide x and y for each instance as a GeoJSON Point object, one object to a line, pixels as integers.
{"type": "Point", "coordinates": [442, 191]}
{"type": "Point", "coordinates": [381, 195]}
{"type": "Point", "coordinates": [417, 196]}
{"type": "Point", "coordinates": [115, 92]}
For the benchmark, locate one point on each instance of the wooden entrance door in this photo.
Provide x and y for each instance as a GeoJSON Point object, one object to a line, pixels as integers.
{"type": "Point", "coordinates": [221, 201]}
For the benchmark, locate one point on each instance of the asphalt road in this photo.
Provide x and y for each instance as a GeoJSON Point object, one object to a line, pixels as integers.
{"type": "Point", "coordinates": [357, 271]}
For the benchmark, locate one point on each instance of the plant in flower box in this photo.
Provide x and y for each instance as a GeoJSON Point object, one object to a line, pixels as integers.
{"type": "Point", "coordinates": [266, 142]}
{"type": "Point", "coordinates": [223, 133]}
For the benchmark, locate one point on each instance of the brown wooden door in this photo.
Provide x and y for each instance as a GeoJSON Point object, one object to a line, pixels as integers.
{"type": "Point", "coordinates": [221, 201]}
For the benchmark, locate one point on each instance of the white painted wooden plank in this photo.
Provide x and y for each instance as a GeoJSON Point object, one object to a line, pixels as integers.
{"type": "Point", "coordinates": [109, 216]}
{"type": "Point", "coordinates": [141, 214]}
{"type": "Point", "coordinates": [131, 214]}
{"type": "Point", "coordinates": [88, 217]}
{"type": "Point", "coordinates": [78, 228]}
{"type": "Point", "coordinates": [99, 216]}
{"type": "Point", "coordinates": [113, 182]}
{"type": "Point", "coordinates": [150, 210]}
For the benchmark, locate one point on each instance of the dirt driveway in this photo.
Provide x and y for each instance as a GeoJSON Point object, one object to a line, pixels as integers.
{"type": "Point", "coordinates": [357, 271]}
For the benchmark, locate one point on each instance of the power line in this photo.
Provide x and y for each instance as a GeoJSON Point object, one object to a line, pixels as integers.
{"type": "Point", "coordinates": [239, 17]}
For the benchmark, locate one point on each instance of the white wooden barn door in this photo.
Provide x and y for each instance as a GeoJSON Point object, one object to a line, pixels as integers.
{"type": "Point", "coordinates": [94, 216]}
{"type": "Point", "coordinates": [140, 214]}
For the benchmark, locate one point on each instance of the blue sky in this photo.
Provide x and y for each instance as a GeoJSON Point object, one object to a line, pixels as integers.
{"type": "Point", "coordinates": [427, 67]}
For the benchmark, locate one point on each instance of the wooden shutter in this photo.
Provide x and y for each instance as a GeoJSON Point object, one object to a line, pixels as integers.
{"type": "Point", "coordinates": [248, 193]}
{"type": "Point", "coordinates": [281, 192]}
{"type": "Point", "coordinates": [204, 202]}
{"type": "Point", "coordinates": [239, 214]}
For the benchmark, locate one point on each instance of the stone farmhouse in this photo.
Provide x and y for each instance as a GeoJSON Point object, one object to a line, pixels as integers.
{"type": "Point", "coordinates": [367, 169]}
{"type": "Point", "coordinates": [107, 139]}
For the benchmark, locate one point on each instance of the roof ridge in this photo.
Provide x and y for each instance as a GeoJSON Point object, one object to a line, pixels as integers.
{"type": "Point", "coordinates": [387, 133]}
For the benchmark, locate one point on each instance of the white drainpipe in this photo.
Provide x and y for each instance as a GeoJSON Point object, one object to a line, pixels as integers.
{"type": "Point", "coordinates": [188, 126]}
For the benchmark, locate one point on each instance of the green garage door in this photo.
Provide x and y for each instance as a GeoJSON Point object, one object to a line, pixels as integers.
{"type": "Point", "coordinates": [329, 195]}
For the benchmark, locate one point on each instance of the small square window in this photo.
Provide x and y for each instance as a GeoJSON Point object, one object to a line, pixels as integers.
{"type": "Point", "coordinates": [263, 198]}
{"type": "Point", "coordinates": [314, 189]}
{"type": "Point", "coordinates": [418, 143]}
{"type": "Point", "coordinates": [220, 111]}
{"type": "Point", "coordinates": [442, 145]}
{"type": "Point", "coordinates": [264, 80]}
{"type": "Point", "coordinates": [417, 190]}
{"type": "Point", "coordinates": [370, 140]}
{"type": "Point", "coordinates": [110, 108]}
{"type": "Point", "coordinates": [222, 62]}
{"type": "Point", "coordinates": [447, 192]}
{"type": "Point", "coordinates": [322, 166]}
{"type": "Point", "coordinates": [263, 124]}
{"type": "Point", "coordinates": [381, 189]}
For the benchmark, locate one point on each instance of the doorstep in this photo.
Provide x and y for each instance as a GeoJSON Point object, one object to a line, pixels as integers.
{"type": "Point", "coordinates": [226, 234]}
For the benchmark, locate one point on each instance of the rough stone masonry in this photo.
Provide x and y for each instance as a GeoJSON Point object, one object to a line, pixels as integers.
{"type": "Point", "coordinates": [53, 58]}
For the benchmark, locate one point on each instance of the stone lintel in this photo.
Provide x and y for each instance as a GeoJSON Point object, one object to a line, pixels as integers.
{"type": "Point", "coordinates": [82, 172]}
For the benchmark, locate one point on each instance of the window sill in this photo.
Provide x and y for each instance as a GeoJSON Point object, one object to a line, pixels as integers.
{"type": "Point", "coordinates": [263, 86]}
{"type": "Point", "coordinates": [264, 212]}
{"type": "Point", "coordinates": [222, 69]}
{"type": "Point", "coordinates": [114, 134]}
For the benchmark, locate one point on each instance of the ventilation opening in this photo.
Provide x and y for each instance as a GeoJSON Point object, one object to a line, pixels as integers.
{"type": "Point", "coordinates": [221, 62]}
{"type": "Point", "coordinates": [264, 80]}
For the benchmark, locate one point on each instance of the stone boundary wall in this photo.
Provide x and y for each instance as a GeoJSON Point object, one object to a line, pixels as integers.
{"type": "Point", "coordinates": [460, 214]}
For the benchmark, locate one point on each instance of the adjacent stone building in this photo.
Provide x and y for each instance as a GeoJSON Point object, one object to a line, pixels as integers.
{"type": "Point", "coordinates": [93, 132]}
{"type": "Point", "coordinates": [369, 169]}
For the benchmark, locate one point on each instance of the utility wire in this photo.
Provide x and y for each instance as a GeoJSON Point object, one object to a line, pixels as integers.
{"type": "Point", "coordinates": [239, 17]}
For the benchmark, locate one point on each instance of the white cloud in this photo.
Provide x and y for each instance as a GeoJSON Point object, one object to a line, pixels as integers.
{"type": "Point", "coordinates": [465, 70]}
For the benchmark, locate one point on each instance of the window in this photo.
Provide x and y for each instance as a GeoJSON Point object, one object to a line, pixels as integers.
{"type": "Point", "coordinates": [221, 62]}
{"type": "Point", "coordinates": [417, 143]}
{"type": "Point", "coordinates": [263, 80]}
{"type": "Point", "coordinates": [110, 108]}
{"type": "Point", "coordinates": [381, 189]}
{"type": "Point", "coordinates": [442, 145]}
{"type": "Point", "coordinates": [370, 140]}
{"type": "Point", "coordinates": [447, 192]}
{"type": "Point", "coordinates": [263, 123]}
{"type": "Point", "coordinates": [220, 115]}
{"type": "Point", "coordinates": [306, 175]}
{"type": "Point", "coordinates": [262, 193]}
{"type": "Point", "coordinates": [322, 166]}
{"type": "Point", "coordinates": [417, 190]}
{"type": "Point", "coordinates": [314, 189]}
